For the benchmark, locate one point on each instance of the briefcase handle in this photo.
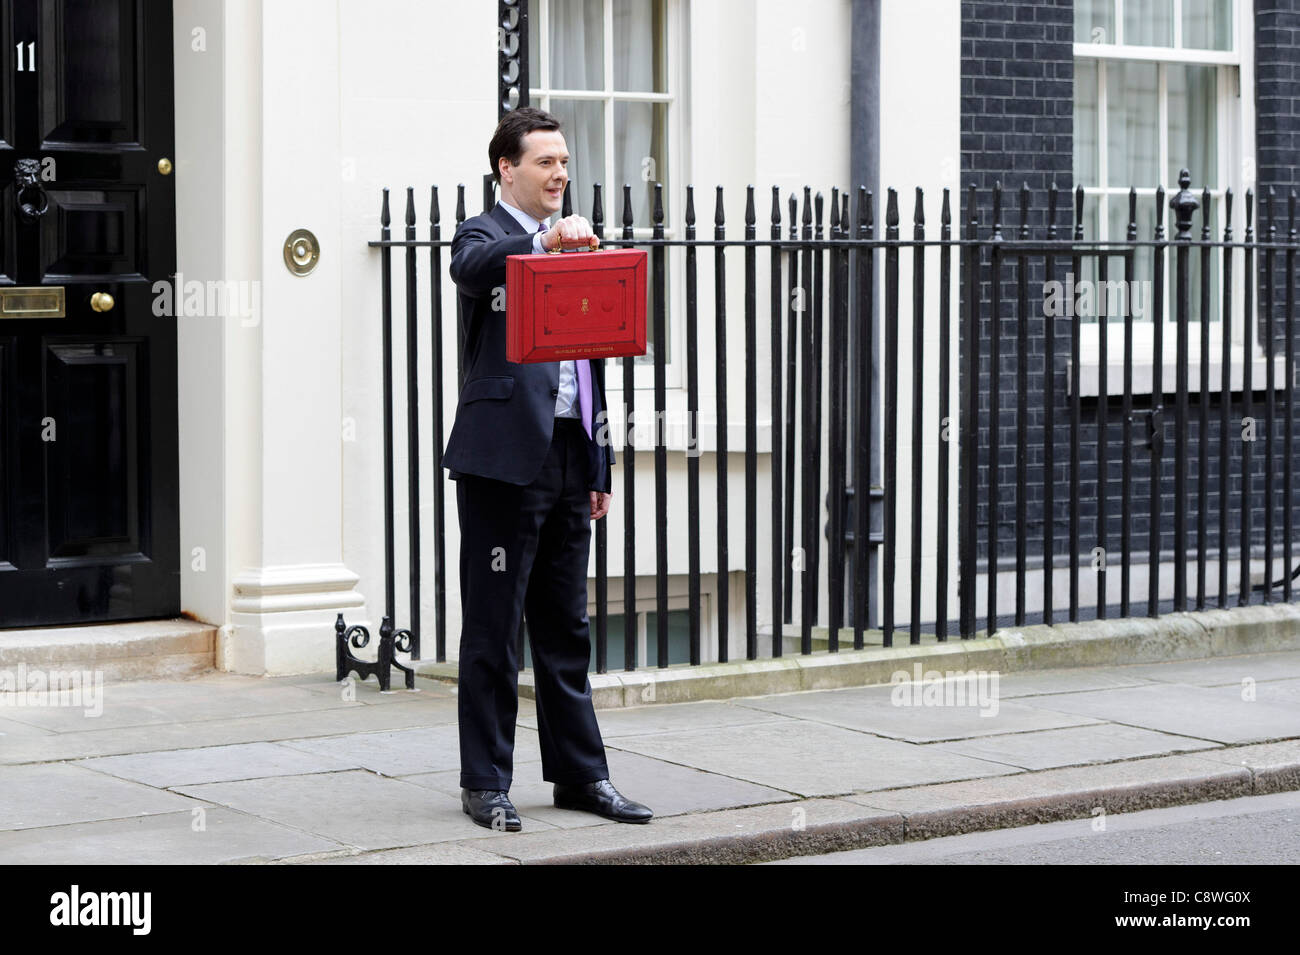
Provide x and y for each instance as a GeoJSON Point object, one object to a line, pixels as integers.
{"type": "Point", "coordinates": [560, 250]}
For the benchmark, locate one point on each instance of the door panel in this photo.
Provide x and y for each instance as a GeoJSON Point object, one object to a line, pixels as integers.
{"type": "Point", "coordinates": [92, 471]}
{"type": "Point", "coordinates": [88, 470]}
{"type": "Point", "coordinates": [92, 92]}
{"type": "Point", "coordinates": [7, 487]}
{"type": "Point", "coordinates": [93, 235]}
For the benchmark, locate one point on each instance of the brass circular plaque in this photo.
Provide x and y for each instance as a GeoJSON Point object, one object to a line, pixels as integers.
{"type": "Point", "coordinates": [301, 252]}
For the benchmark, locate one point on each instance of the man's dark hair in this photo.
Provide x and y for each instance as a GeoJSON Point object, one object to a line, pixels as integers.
{"type": "Point", "coordinates": [508, 140]}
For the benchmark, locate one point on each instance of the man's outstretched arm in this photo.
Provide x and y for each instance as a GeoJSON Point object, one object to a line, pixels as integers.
{"type": "Point", "coordinates": [478, 259]}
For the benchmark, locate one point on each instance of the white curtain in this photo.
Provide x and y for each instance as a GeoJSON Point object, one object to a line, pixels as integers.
{"type": "Point", "coordinates": [1193, 123]}
{"type": "Point", "coordinates": [638, 159]}
{"type": "Point", "coordinates": [1149, 22]}
{"type": "Point", "coordinates": [577, 51]}
{"type": "Point", "coordinates": [1132, 124]}
{"type": "Point", "coordinates": [1206, 24]}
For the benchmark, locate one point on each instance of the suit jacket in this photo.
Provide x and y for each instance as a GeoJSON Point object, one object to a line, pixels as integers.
{"type": "Point", "coordinates": [505, 418]}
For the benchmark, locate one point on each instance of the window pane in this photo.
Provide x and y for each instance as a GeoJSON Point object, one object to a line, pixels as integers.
{"type": "Point", "coordinates": [1142, 292]}
{"type": "Point", "coordinates": [639, 47]}
{"type": "Point", "coordinates": [1094, 21]}
{"type": "Point", "coordinates": [1132, 121]}
{"type": "Point", "coordinates": [577, 44]}
{"type": "Point", "coordinates": [1086, 156]}
{"type": "Point", "coordinates": [679, 637]}
{"type": "Point", "coordinates": [1194, 272]}
{"type": "Point", "coordinates": [583, 125]}
{"type": "Point", "coordinates": [535, 78]}
{"type": "Point", "coordinates": [1088, 263]}
{"type": "Point", "coordinates": [641, 156]}
{"type": "Point", "coordinates": [1149, 22]}
{"type": "Point", "coordinates": [641, 159]}
{"type": "Point", "coordinates": [1206, 24]}
{"type": "Point", "coordinates": [1193, 124]}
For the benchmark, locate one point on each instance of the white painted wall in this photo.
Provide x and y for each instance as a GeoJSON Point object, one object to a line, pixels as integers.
{"type": "Point", "coordinates": [920, 145]}
{"type": "Point", "coordinates": [200, 163]}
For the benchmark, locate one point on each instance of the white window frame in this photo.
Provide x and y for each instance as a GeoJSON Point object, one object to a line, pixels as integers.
{"type": "Point", "coordinates": [540, 94]}
{"type": "Point", "coordinates": [1236, 164]}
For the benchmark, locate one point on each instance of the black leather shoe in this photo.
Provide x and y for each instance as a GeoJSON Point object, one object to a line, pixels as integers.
{"type": "Point", "coordinates": [601, 798]}
{"type": "Point", "coordinates": [490, 808]}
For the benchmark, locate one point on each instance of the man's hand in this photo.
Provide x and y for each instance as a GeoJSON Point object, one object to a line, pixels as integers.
{"type": "Point", "coordinates": [573, 232]}
{"type": "Point", "coordinates": [599, 504]}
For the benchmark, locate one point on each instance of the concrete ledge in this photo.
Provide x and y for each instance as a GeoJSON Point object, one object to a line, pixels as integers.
{"type": "Point", "coordinates": [1005, 802]}
{"type": "Point", "coordinates": [752, 834]}
{"type": "Point", "coordinates": [137, 650]}
{"type": "Point", "coordinates": [1175, 636]}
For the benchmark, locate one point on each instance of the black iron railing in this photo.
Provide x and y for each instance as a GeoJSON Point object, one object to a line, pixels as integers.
{"type": "Point", "coordinates": [1020, 401]}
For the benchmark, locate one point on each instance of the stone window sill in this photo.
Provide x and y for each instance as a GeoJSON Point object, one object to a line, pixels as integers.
{"type": "Point", "coordinates": [1090, 376]}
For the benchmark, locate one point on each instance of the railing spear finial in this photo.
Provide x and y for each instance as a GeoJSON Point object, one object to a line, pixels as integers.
{"type": "Point", "coordinates": [1183, 204]}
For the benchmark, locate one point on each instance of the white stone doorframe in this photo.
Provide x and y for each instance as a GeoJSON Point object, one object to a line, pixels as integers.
{"type": "Point", "coordinates": [260, 389]}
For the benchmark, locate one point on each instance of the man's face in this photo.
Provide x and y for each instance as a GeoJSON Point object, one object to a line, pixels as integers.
{"type": "Point", "coordinates": [537, 184]}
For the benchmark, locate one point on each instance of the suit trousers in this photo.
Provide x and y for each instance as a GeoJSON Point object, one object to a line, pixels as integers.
{"type": "Point", "coordinates": [523, 549]}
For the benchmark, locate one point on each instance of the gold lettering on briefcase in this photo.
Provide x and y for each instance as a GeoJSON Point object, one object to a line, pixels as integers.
{"type": "Point", "coordinates": [584, 306]}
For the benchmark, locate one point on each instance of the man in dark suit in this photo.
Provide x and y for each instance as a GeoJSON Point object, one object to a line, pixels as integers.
{"type": "Point", "coordinates": [532, 465]}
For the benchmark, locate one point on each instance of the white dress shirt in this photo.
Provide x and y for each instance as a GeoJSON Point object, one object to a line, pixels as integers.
{"type": "Point", "coordinates": [566, 405]}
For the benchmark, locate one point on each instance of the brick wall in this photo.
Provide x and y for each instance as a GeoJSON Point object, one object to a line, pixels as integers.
{"type": "Point", "coordinates": [1017, 127]}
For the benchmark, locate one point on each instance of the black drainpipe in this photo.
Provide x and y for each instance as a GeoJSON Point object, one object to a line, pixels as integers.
{"type": "Point", "coordinates": [864, 170]}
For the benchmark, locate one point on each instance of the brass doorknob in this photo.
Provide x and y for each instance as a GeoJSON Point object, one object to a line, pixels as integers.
{"type": "Point", "coordinates": [101, 301]}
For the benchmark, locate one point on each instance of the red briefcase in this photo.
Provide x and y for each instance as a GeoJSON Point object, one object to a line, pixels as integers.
{"type": "Point", "coordinates": [575, 305]}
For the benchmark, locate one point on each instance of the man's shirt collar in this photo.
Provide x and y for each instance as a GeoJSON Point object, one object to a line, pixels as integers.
{"type": "Point", "coordinates": [523, 218]}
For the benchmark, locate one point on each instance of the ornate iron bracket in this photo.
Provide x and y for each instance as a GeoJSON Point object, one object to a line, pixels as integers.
{"type": "Point", "coordinates": [390, 641]}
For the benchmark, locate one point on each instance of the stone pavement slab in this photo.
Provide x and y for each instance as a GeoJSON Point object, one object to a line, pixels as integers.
{"type": "Point", "coordinates": [1275, 766]}
{"type": "Point", "coordinates": [1281, 692]}
{"type": "Point", "coordinates": [51, 794]}
{"type": "Point", "coordinates": [1215, 671]}
{"type": "Point", "coordinates": [439, 853]}
{"type": "Point", "coordinates": [1026, 683]}
{"type": "Point", "coordinates": [169, 838]}
{"type": "Point", "coordinates": [353, 808]}
{"type": "Point", "coordinates": [872, 709]}
{"type": "Point", "coordinates": [641, 720]}
{"type": "Point", "coordinates": [809, 759]}
{"type": "Point", "coordinates": [214, 764]}
{"type": "Point", "coordinates": [667, 789]}
{"type": "Point", "coordinates": [1100, 743]}
{"type": "Point", "coordinates": [169, 736]}
{"type": "Point", "coordinates": [1193, 711]}
{"type": "Point", "coordinates": [406, 752]}
{"type": "Point", "coordinates": [10, 730]}
{"type": "Point", "coordinates": [131, 704]}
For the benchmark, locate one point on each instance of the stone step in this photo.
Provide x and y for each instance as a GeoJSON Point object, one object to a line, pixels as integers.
{"type": "Point", "coordinates": [134, 650]}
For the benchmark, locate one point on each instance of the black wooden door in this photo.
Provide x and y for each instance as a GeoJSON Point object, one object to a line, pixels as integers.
{"type": "Point", "coordinates": [88, 431]}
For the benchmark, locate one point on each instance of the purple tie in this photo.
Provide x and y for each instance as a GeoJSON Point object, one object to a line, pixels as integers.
{"type": "Point", "coordinates": [584, 393]}
{"type": "Point", "coordinates": [584, 380]}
